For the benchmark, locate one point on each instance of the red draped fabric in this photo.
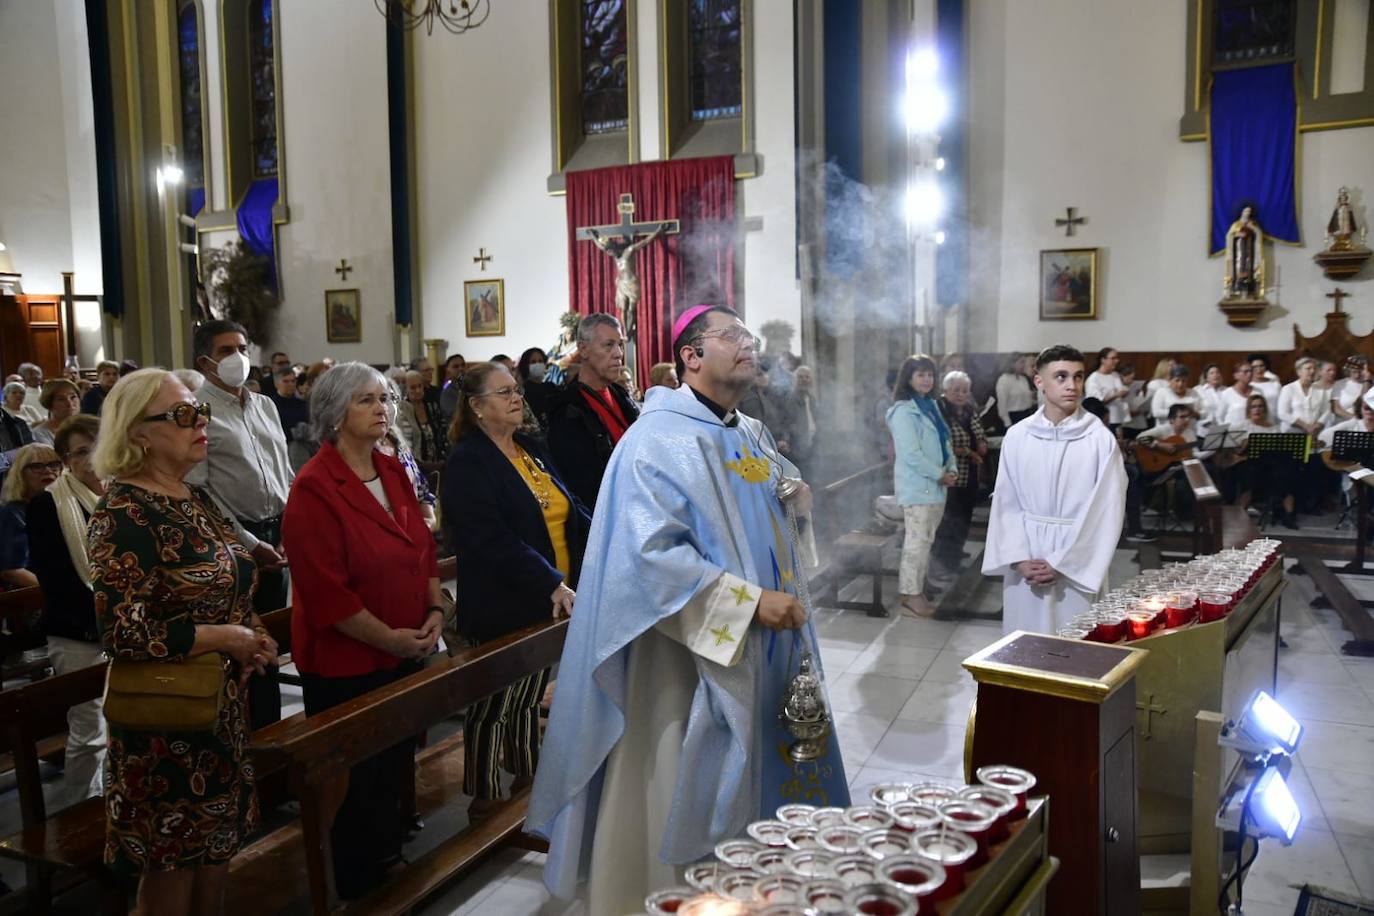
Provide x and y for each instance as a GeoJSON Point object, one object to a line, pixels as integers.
{"type": "Point", "coordinates": [676, 271]}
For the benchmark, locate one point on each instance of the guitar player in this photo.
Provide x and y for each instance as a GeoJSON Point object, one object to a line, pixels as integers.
{"type": "Point", "coordinates": [1161, 450]}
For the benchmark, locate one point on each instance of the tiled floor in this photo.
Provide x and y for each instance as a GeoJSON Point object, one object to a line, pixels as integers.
{"type": "Point", "coordinates": [901, 703]}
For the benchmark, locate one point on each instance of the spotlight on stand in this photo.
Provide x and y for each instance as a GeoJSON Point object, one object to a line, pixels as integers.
{"type": "Point", "coordinates": [925, 103]}
{"type": "Point", "coordinates": [1257, 803]}
{"type": "Point", "coordinates": [1264, 728]}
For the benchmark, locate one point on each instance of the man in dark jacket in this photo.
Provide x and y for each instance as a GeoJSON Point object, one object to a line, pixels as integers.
{"type": "Point", "coordinates": [769, 406]}
{"type": "Point", "coordinates": [593, 412]}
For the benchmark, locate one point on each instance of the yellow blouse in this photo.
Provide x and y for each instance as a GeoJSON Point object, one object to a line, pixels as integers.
{"type": "Point", "coordinates": [554, 505]}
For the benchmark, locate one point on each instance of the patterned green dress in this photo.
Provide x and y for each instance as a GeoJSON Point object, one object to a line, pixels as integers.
{"type": "Point", "coordinates": [160, 566]}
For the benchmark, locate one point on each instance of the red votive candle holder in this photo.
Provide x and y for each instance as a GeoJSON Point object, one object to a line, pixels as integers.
{"type": "Point", "coordinates": [1177, 614]}
{"type": "Point", "coordinates": [933, 793]}
{"type": "Point", "coordinates": [1140, 623]}
{"type": "Point", "coordinates": [1212, 606]}
{"type": "Point", "coordinates": [949, 849]}
{"type": "Point", "coordinates": [913, 816]}
{"type": "Point", "coordinates": [668, 901]}
{"type": "Point", "coordinates": [975, 819]}
{"type": "Point", "coordinates": [1001, 801]}
{"type": "Point", "coordinates": [1015, 780]}
{"type": "Point", "coordinates": [917, 877]}
{"type": "Point", "coordinates": [1114, 625]}
{"type": "Point", "coordinates": [879, 900]}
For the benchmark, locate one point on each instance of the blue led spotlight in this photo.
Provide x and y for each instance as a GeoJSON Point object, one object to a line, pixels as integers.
{"type": "Point", "coordinates": [1264, 728]}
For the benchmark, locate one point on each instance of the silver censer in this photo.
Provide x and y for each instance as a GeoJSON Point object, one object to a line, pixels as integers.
{"type": "Point", "coordinates": [804, 713]}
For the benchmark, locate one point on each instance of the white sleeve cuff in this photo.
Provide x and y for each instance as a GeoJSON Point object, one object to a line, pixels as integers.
{"type": "Point", "coordinates": [715, 622]}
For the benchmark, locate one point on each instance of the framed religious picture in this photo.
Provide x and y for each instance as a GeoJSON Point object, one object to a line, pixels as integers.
{"type": "Point", "coordinates": [343, 318]}
{"type": "Point", "coordinates": [484, 308]}
{"type": "Point", "coordinates": [1068, 283]}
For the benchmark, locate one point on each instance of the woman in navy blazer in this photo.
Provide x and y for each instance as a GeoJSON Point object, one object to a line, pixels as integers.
{"type": "Point", "coordinates": [366, 605]}
{"type": "Point", "coordinates": [519, 535]}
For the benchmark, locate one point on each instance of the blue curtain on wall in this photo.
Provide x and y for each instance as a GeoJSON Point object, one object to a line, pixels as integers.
{"type": "Point", "coordinates": [255, 222]}
{"type": "Point", "coordinates": [1254, 151]}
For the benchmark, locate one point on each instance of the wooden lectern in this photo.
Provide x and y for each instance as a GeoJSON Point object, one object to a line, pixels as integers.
{"type": "Point", "coordinates": [1065, 711]}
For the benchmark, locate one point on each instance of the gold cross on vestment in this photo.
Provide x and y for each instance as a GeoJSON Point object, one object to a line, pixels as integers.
{"type": "Point", "coordinates": [742, 595]}
{"type": "Point", "coordinates": [722, 634]}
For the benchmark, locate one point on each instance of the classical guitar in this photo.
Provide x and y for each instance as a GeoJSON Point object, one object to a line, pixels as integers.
{"type": "Point", "coordinates": [1152, 461]}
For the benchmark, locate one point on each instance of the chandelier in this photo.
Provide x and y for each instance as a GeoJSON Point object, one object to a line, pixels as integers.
{"type": "Point", "coordinates": [458, 16]}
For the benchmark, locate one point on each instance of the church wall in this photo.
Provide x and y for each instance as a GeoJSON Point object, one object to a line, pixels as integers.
{"type": "Point", "coordinates": [333, 97]}
{"type": "Point", "coordinates": [49, 216]}
{"type": "Point", "coordinates": [483, 135]}
{"type": "Point", "coordinates": [1077, 104]}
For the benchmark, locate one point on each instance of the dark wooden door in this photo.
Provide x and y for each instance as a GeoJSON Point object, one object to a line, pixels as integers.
{"type": "Point", "coordinates": [31, 330]}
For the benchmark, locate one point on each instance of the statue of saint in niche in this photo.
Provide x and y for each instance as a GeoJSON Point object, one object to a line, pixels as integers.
{"type": "Point", "coordinates": [1341, 230]}
{"type": "Point", "coordinates": [1245, 258]}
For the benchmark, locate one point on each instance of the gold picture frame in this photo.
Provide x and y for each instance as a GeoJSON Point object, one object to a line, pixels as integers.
{"type": "Point", "coordinates": [343, 316]}
{"type": "Point", "coordinates": [1068, 284]}
{"type": "Point", "coordinates": [484, 308]}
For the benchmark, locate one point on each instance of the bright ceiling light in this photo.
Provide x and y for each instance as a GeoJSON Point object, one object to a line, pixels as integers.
{"type": "Point", "coordinates": [922, 65]}
{"type": "Point", "coordinates": [926, 108]}
{"type": "Point", "coordinates": [940, 237]}
{"type": "Point", "coordinates": [924, 204]}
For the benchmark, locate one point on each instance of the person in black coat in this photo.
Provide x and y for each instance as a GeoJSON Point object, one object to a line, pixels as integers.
{"type": "Point", "coordinates": [593, 412]}
{"type": "Point", "coordinates": [519, 534]}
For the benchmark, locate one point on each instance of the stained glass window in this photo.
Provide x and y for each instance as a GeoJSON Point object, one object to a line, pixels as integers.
{"type": "Point", "coordinates": [715, 54]}
{"type": "Point", "coordinates": [605, 93]}
{"type": "Point", "coordinates": [192, 140]}
{"type": "Point", "coordinates": [1258, 31]}
{"type": "Point", "coordinates": [262, 75]}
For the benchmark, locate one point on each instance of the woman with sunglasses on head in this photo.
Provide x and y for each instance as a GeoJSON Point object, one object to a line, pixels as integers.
{"type": "Point", "coordinates": [35, 467]}
{"type": "Point", "coordinates": [519, 534]}
{"type": "Point", "coordinates": [366, 605]}
{"type": "Point", "coordinates": [172, 583]}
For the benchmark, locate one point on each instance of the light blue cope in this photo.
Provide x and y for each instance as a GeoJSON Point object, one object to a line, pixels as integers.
{"type": "Point", "coordinates": [670, 518]}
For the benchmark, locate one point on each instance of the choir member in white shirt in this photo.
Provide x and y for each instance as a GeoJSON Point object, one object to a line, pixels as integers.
{"type": "Point", "coordinates": [1279, 474]}
{"type": "Point", "coordinates": [1235, 400]}
{"type": "Point", "coordinates": [1361, 424]}
{"type": "Point", "coordinates": [1137, 405]}
{"type": "Point", "coordinates": [1265, 381]}
{"type": "Point", "coordinates": [1160, 381]}
{"type": "Point", "coordinates": [1106, 385]}
{"type": "Point", "coordinates": [1015, 392]}
{"type": "Point", "coordinates": [1209, 394]}
{"type": "Point", "coordinates": [1176, 392]}
{"type": "Point", "coordinates": [1304, 406]}
{"type": "Point", "coordinates": [1058, 503]}
{"type": "Point", "coordinates": [1346, 393]}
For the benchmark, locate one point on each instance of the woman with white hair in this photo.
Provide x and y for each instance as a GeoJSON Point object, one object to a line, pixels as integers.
{"type": "Point", "coordinates": [366, 605]}
{"type": "Point", "coordinates": [1304, 406]}
{"type": "Point", "coordinates": [172, 583]}
{"type": "Point", "coordinates": [14, 404]}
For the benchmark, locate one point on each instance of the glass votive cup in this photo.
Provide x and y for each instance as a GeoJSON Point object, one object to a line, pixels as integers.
{"type": "Point", "coordinates": [702, 875]}
{"type": "Point", "coordinates": [949, 849]}
{"type": "Point", "coordinates": [802, 836]}
{"type": "Point", "coordinates": [825, 896]}
{"type": "Point", "coordinates": [889, 793]}
{"type": "Point", "coordinates": [1113, 624]}
{"type": "Point", "coordinates": [1072, 631]}
{"type": "Point", "coordinates": [737, 853]}
{"type": "Point", "coordinates": [852, 871]}
{"type": "Point", "coordinates": [1015, 780]}
{"type": "Point", "coordinates": [868, 817]}
{"type": "Point", "coordinates": [1139, 623]}
{"type": "Point", "coordinates": [913, 816]}
{"type": "Point", "coordinates": [812, 864]}
{"type": "Point", "coordinates": [1002, 802]}
{"type": "Point", "coordinates": [974, 818]}
{"type": "Point", "coordinates": [885, 842]}
{"type": "Point", "coordinates": [917, 877]}
{"type": "Point", "coordinates": [790, 908]}
{"type": "Point", "coordinates": [736, 884]}
{"type": "Point", "coordinates": [771, 860]}
{"type": "Point", "coordinates": [796, 815]}
{"type": "Point", "coordinates": [824, 817]}
{"type": "Point", "coordinates": [779, 889]}
{"type": "Point", "coordinates": [668, 901]}
{"type": "Point", "coordinates": [713, 904]}
{"type": "Point", "coordinates": [1180, 611]}
{"type": "Point", "coordinates": [838, 838]}
{"type": "Point", "coordinates": [933, 793]}
{"type": "Point", "coordinates": [1212, 606]}
{"type": "Point", "coordinates": [769, 833]}
{"type": "Point", "coordinates": [879, 899]}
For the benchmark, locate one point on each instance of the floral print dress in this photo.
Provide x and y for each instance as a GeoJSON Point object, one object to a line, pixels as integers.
{"type": "Point", "coordinates": [160, 566]}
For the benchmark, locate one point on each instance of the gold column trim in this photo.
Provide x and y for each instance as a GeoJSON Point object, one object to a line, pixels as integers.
{"type": "Point", "coordinates": [138, 181]}
{"type": "Point", "coordinates": [1197, 58]}
{"type": "Point", "coordinates": [1332, 125]}
{"type": "Point", "coordinates": [169, 111]}
{"type": "Point", "coordinates": [224, 108]}
{"type": "Point", "coordinates": [1317, 66]}
{"type": "Point", "coordinates": [1192, 138]}
{"type": "Point", "coordinates": [631, 83]}
{"type": "Point", "coordinates": [560, 159]}
{"type": "Point", "coordinates": [746, 73]}
{"type": "Point", "coordinates": [665, 78]}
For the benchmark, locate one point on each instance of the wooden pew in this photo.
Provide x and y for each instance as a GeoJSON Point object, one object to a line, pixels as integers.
{"type": "Point", "coordinates": [317, 753]}
{"type": "Point", "coordinates": [17, 608]}
{"type": "Point", "coordinates": [33, 717]}
{"type": "Point", "coordinates": [840, 506]}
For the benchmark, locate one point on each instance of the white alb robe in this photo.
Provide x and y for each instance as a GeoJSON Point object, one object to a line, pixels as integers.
{"type": "Point", "coordinates": [1060, 497]}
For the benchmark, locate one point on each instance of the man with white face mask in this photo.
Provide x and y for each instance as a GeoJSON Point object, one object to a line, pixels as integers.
{"type": "Point", "coordinates": [248, 473]}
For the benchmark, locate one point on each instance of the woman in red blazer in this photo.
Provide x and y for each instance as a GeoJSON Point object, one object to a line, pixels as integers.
{"type": "Point", "coordinates": [366, 605]}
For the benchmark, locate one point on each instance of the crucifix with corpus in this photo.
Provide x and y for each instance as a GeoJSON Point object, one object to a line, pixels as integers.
{"type": "Point", "coordinates": [619, 241]}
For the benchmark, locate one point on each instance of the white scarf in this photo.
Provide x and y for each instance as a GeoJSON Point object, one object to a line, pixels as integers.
{"type": "Point", "coordinates": [75, 502]}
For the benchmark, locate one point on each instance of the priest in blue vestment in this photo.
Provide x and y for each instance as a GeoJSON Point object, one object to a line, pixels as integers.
{"type": "Point", "coordinates": [664, 737]}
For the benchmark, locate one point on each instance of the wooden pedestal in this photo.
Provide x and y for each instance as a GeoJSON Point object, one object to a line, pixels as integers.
{"type": "Point", "coordinates": [1065, 711]}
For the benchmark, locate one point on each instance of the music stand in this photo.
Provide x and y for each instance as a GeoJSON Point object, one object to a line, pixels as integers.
{"type": "Point", "coordinates": [1357, 445]}
{"type": "Point", "coordinates": [1219, 437]}
{"type": "Point", "coordinates": [1297, 446]}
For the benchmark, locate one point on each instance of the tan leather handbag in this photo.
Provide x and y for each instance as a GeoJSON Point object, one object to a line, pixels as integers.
{"type": "Point", "coordinates": [165, 696]}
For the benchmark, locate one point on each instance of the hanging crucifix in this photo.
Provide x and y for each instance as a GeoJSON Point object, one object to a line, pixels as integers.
{"type": "Point", "coordinates": [618, 240]}
{"type": "Point", "coordinates": [1072, 223]}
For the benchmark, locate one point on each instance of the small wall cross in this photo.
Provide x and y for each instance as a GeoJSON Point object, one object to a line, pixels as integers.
{"type": "Point", "coordinates": [1339, 294]}
{"type": "Point", "coordinates": [1072, 222]}
{"type": "Point", "coordinates": [343, 269]}
{"type": "Point", "coordinates": [482, 258]}
{"type": "Point", "coordinates": [1149, 708]}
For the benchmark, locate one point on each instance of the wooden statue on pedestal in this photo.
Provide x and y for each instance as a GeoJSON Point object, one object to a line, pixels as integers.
{"type": "Point", "coordinates": [1347, 244]}
{"type": "Point", "coordinates": [1244, 290]}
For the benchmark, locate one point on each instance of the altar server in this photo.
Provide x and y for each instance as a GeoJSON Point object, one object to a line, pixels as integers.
{"type": "Point", "coordinates": [664, 735]}
{"type": "Point", "coordinates": [1058, 503]}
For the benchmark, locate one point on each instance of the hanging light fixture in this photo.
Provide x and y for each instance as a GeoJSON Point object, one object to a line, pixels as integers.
{"type": "Point", "coordinates": [458, 16]}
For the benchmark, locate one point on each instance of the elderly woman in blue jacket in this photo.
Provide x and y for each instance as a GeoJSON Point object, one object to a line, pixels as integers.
{"type": "Point", "coordinates": [924, 466]}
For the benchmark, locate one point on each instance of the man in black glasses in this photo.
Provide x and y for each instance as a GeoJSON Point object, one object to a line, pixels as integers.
{"type": "Point", "coordinates": [247, 472]}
